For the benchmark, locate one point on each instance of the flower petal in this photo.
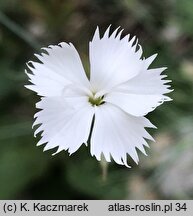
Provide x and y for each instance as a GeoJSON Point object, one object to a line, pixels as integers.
{"type": "Point", "coordinates": [61, 66]}
{"type": "Point", "coordinates": [112, 61]}
{"type": "Point", "coordinates": [117, 134]}
{"type": "Point", "coordinates": [64, 124]}
{"type": "Point", "coordinates": [142, 94]}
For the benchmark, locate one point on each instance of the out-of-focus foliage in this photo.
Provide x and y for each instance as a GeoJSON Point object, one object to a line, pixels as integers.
{"type": "Point", "coordinates": [26, 172]}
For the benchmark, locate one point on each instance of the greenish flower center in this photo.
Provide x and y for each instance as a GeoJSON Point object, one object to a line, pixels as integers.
{"type": "Point", "coordinates": [96, 101]}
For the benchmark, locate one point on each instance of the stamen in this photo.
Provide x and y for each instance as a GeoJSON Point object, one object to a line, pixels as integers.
{"type": "Point", "coordinates": [96, 101]}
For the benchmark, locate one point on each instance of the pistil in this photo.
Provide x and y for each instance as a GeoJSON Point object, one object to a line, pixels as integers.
{"type": "Point", "coordinates": [96, 101]}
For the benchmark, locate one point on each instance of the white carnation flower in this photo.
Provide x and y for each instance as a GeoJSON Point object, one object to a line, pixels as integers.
{"type": "Point", "coordinates": [113, 101]}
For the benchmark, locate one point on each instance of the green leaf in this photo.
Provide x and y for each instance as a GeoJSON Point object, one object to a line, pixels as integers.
{"type": "Point", "coordinates": [19, 166]}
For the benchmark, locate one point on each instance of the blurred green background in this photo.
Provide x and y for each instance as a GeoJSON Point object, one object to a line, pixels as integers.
{"type": "Point", "coordinates": [26, 172]}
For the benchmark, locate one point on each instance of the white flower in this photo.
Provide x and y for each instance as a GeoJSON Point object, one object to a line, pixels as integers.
{"type": "Point", "coordinates": [120, 91]}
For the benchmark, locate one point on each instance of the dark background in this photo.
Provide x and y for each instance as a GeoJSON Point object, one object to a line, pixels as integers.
{"type": "Point", "coordinates": [26, 172]}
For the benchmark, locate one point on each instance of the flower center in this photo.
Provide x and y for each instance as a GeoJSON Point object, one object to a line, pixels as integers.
{"type": "Point", "coordinates": [96, 101]}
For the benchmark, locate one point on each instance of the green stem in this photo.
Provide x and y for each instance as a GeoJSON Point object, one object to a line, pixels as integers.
{"type": "Point", "coordinates": [104, 166]}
